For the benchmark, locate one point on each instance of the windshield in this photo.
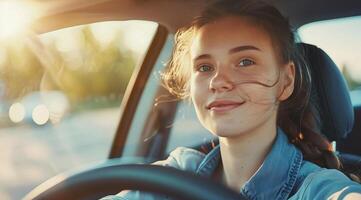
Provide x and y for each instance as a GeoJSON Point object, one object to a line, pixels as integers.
{"type": "Point", "coordinates": [59, 98]}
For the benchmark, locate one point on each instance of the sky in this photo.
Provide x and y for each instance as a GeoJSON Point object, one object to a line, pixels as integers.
{"type": "Point", "coordinates": [340, 39]}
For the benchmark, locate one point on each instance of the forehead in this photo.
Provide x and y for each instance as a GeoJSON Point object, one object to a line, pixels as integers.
{"type": "Point", "coordinates": [227, 33]}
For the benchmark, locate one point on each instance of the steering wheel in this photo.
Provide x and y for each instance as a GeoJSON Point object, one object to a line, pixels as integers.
{"type": "Point", "coordinates": [110, 178]}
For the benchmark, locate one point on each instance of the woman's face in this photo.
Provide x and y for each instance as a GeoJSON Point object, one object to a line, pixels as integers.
{"type": "Point", "coordinates": [237, 80]}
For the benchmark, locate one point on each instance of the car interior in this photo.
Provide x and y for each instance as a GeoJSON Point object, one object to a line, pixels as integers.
{"type": "Point", "coordinates": [148, 111]}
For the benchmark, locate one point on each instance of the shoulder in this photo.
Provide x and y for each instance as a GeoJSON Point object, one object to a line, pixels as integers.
{"type": "Point", "coordinates": [321, 183]}
{"type": "Point", "coordinates": [183, 158]}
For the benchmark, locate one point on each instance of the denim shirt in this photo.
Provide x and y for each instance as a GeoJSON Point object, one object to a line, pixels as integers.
{"type": "Point", "coordinates": [283, 175]}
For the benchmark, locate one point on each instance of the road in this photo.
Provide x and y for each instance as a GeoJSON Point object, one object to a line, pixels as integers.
{"type": "Point", "coordinates": [30, 154]}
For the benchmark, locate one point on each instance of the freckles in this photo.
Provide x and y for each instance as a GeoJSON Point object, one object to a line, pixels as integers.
{"type": "Point", "coordinates": [259, 95]}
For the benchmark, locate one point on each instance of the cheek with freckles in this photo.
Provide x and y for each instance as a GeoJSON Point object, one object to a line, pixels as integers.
{"type": "Point", "coordinates": [257, 94]}
{"type": "Point", "coordinates": [270, 90]}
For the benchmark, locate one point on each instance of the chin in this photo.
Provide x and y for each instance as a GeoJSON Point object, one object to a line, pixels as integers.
{"type": "Point", "coordinates": [228, 132]}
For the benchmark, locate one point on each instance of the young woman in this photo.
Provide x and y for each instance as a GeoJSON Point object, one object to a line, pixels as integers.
{"type": "Point", "coordinates": [239, 65]}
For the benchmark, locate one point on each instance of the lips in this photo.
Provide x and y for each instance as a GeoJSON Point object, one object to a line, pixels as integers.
{"type": "Point", "coordinates": [223, 105]}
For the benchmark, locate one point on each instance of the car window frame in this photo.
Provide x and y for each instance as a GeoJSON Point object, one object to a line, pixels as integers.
{"type": "Point", "coordinates": [135, 90]}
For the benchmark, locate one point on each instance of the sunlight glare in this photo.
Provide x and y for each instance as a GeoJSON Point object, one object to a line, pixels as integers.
{"type": "Point", "coordinates": [15, 16]}
{"type": "Point", "coordinates": [139, 35]}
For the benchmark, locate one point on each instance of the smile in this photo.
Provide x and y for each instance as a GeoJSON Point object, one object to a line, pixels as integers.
{"type": "Point", "coordinates": [223, 106]}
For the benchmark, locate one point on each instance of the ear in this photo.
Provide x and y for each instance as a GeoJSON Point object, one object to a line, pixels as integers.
{"type": "Point", "coordinates": [288, 76]}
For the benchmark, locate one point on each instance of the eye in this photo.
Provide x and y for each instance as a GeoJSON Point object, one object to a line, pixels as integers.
{"type": "Point", "coordinates": [246, 62]}
{"type": "Point", "coordinates": [204, 68]}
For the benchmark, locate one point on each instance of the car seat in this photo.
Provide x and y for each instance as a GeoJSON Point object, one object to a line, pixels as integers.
{"type": "Point", "coordinates": [334, 103]}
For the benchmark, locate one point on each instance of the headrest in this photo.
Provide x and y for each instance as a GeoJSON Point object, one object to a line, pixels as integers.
{"type": "Point", "coordinates": [330, 89]}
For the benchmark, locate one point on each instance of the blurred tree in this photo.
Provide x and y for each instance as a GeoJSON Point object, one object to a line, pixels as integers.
{"type": "Point", "coordinates": [21, 72]}
{"type": "Point", "coordinates": [103, 73]}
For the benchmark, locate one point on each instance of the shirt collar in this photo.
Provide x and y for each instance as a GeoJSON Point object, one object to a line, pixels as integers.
{"type": "Point", "coordinates": [276, 176]}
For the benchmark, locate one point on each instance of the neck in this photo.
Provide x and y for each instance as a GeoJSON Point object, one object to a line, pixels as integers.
{"type": "Point", "coordinates": [244, 154]}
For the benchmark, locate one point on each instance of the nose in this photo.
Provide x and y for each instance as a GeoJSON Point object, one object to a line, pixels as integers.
{"type": "Point", "coordinates": [221, 81]}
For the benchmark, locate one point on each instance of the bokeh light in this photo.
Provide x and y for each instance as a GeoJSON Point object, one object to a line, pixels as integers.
{"type": "Point", "coordinates": [40, 114]}
{"type": "Point", "coordinates": [57, 104]}
{"type": "Point", "coordinates": [17, 112]}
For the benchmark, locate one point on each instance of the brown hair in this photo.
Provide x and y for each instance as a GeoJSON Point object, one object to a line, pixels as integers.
{"type": "Point", "coordinates": [298, 116]}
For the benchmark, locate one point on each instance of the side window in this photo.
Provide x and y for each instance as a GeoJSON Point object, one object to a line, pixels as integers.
{"type": "Point", "coordinates": [186, 129]}
{"type": "Point", "coordinates": [340, 38]}
{"type": "Point", "coordinates": [59, 98]}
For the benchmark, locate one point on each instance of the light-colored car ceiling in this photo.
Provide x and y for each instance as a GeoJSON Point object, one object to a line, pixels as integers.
{"type": "Point", "coordinates": [172, 13]}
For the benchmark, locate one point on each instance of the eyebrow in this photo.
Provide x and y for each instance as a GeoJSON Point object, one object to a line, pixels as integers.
{"type": "Point", "coordinates": [231, 51]}
{"type": "Point", "coordinates": [203, 56]}
{"type": "Point", "coordinates": [243, 48]}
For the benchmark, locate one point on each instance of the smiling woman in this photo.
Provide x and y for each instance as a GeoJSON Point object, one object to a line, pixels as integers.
{"type": "Point", "coordinates": [239, 64]}
{"type": "Point", "coordinates": [15, 16]}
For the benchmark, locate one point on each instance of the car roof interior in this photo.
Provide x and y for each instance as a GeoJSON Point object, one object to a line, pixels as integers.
{"type": "Point", "coordinates": [176, 13]}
